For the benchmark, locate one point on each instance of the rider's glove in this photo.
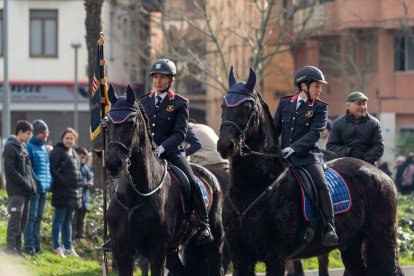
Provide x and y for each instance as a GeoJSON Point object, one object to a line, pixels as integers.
{"type": "Point", "coordinates": [286, 152]}
{"type": "Point", "coordinates": [159, 150]}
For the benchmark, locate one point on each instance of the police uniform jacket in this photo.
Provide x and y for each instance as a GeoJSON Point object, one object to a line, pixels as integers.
{"type": "Point", "coordinates": [301, 129]}
{"type": "Point", "coordinates": [169, 122]}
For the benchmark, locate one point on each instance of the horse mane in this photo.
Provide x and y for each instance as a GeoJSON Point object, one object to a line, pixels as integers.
{"type": "Point", "coordinates": [268, 117]}
{"type": "Point", "coordinates": [146, 120]}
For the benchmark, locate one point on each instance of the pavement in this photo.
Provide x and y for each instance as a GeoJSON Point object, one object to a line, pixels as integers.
{"type": "Point", "coordinates": [408, 271]}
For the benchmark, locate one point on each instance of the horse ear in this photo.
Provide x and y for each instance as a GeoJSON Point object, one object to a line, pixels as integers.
{"type": "Point", "coordinates": [232, 78]}
{"type": "Point", "coordinates": [130, 95]}
{"type": "Point", "coordinates": [251, 82]}
{"type": "Point", "coordinates": [112, 95]}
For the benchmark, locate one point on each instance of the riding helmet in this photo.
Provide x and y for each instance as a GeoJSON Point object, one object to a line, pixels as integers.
{"type": "Point", "coordinates": [309, 74]}
{"type": "Point", "coordinates": [163, 66]}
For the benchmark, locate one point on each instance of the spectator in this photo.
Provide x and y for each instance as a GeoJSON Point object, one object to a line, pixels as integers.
{"type": "Point", "coordinates": [79, 222]}
{"type": "Point", "coordinates": [66, 191]}
{"type": "Point", "coordinates": [202, 148]}
{"type": "Point", "coordinates": [405, 173]}
{"type": "Point", "coordinates": [325, 135]}
{"type": "Point", "coordinates": [385, 167]}
{"type": "Point", "coordinates": [20, 184]}
{"type": "Point", "coordinates": [194, 144]}
{"type": "Point", "coordinates": [398, 161]}
{"type": "Point", "coordinates": [357, 133]}
{"type": "Point", "coordinates": [39, 158]}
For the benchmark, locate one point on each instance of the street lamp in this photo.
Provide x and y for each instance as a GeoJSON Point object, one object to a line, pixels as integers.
{"type": "Point", "coordinates": [76, 44]}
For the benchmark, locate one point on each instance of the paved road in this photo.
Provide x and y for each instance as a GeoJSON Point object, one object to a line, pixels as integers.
{"type": "Point", "coordinates": [408, 271]}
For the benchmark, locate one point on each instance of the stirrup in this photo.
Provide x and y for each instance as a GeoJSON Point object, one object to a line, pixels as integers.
{"type": "Point", "coordinates": [204, 235]}
{"type": "Point", "coordinates": [329, 237]}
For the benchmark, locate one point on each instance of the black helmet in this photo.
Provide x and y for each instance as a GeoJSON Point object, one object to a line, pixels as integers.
{"type": "Point", "coordinates": [163, 66]}
{"type": "Point", "coordinates": [309, 74]}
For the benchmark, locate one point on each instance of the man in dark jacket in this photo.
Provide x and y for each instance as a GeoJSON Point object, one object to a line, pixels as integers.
{"type": "Point", "coordinates": [357, 133]}
{"type": "Point", "coordinates": [39, 157]}
{"type": "Point", "coordinates": [20, 184]}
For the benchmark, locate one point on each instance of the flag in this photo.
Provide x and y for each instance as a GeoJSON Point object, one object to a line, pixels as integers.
{"type": "Point", "coordinates": [95, 107]}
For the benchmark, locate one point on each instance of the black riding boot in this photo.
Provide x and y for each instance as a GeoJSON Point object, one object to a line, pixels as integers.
{"type": "Point", "coordinates": [329, 237]}
{"type": "Point", "coordinates": [203, 232]}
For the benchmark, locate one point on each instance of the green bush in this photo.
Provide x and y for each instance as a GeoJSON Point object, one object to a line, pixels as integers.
{"type": "Point", "coordinates": [90, 248]}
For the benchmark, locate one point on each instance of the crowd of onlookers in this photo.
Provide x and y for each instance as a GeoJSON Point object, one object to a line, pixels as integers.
{"type": "Point", "coordinates": [33, 168]}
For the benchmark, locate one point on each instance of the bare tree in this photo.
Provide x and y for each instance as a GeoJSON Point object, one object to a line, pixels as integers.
{"type": "Point", "coordinates": [350, 58]}
{"type": "Point", "coordinates": [93, 27]}
{"type": "Point", "coordinates": [205, 37]}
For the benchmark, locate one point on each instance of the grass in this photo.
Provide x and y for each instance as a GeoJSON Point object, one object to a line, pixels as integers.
{"type": "Point", "coordinates": [91, 253]}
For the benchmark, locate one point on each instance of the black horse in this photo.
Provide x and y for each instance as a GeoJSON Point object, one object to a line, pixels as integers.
{"type": "Point", "coordinates": [262, 214]}
{"type": "Point", "coordinates": [146, 213]}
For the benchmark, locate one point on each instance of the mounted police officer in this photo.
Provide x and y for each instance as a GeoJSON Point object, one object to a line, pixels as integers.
{"type": "Point", "coordinates": [300, 119]}
{"type": "Point", "coordinates": [168, 122]}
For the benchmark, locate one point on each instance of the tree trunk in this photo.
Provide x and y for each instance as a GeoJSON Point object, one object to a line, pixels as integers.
{"type": "Point", "coordinates": [93, 28]}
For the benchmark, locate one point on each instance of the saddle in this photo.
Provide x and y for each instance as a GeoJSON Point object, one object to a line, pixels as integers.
{"type": "Point", "coordinates": [180, 180]}
{"type": "Point", "coordinates": [341, 198]}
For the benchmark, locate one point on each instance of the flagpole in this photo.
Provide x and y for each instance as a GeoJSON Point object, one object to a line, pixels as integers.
{"type": "Point", "coordinates": [102, 86]}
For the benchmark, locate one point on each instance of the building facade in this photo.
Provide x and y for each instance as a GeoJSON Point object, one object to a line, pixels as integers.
{"type": "Point", "coordinates": [42, 61]}
{"type": "Point", "coordinates": [367, 46]}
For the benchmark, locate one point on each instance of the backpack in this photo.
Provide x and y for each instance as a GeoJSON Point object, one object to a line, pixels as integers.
{"type": "Point", "coordinates": [407, 177]}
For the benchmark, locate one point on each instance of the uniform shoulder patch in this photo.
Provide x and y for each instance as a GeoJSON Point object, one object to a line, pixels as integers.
{"type": "Point", "coordinates": [320, 101]}
{"type": "Point", "coordinates": [146, 95]}
{"type": "Point", "coordinates": [181, 97]}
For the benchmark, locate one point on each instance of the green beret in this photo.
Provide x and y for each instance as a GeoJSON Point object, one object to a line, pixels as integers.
{"type": "Point", "coordinates": [356, 97]}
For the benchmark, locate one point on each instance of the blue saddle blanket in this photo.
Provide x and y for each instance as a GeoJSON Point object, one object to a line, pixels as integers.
{"type": "Point", "coordinates": [341, 198]}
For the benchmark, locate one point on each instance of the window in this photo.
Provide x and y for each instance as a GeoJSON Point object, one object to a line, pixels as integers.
{"type": "Point", "coordinates": [1, 32]}
{"type": "Point", "coordinates": [330, 59]}
{"type": "Point", "coordinates": [404, 53]}
{"type": "Point", "coordinates": [43, 33]}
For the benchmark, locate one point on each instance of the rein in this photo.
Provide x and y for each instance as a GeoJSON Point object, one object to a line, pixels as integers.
{"type": "Point", "coordinates": [128, 150]}
{"type": "Point", "coordinates": [267, 191]}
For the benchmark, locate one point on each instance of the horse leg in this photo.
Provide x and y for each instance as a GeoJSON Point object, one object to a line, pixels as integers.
{"type": "Point", "coordinates": [143, 264]}
{"type": "Point", "coordinates": [276, 266]}
{"type": "Point", "coordinates": [382, 258]}
{"type": "Point", "coordinates": [294, 268]}
{"type": "Point", "coordinates": [157, 259]}
{"type": "Point", "coordinates": [123, 258]}
{"type": "Point", "coordinates": [174, 264]}
{"type": "Point", "coordinates": [226, 255]}
{"type": "Point", "coordinates": [243, 266]}
{"type": "Point", "coordinates": [352, 257]}
{"type": "Point", "coordinates": [196, 258]}
{"type": "Point", "coordinates": [323, 264]}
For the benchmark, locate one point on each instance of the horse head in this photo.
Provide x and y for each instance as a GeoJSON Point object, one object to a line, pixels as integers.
{"type": "Point", "coordinates": [122, 125]}
{"type": "Point", "coordinates": [238, 108]}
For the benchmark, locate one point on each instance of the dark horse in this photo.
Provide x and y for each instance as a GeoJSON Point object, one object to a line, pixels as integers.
{"type": "Point", "coordinates": [145, 214]}
{"type": "Point", "coordinates": [262, 214]}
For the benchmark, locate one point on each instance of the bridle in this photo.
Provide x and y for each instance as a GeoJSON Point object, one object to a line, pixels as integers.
{"type": "Point", "coordinates": [128, 151]}
{"type": "Point", "coordinates": [244, 149]}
